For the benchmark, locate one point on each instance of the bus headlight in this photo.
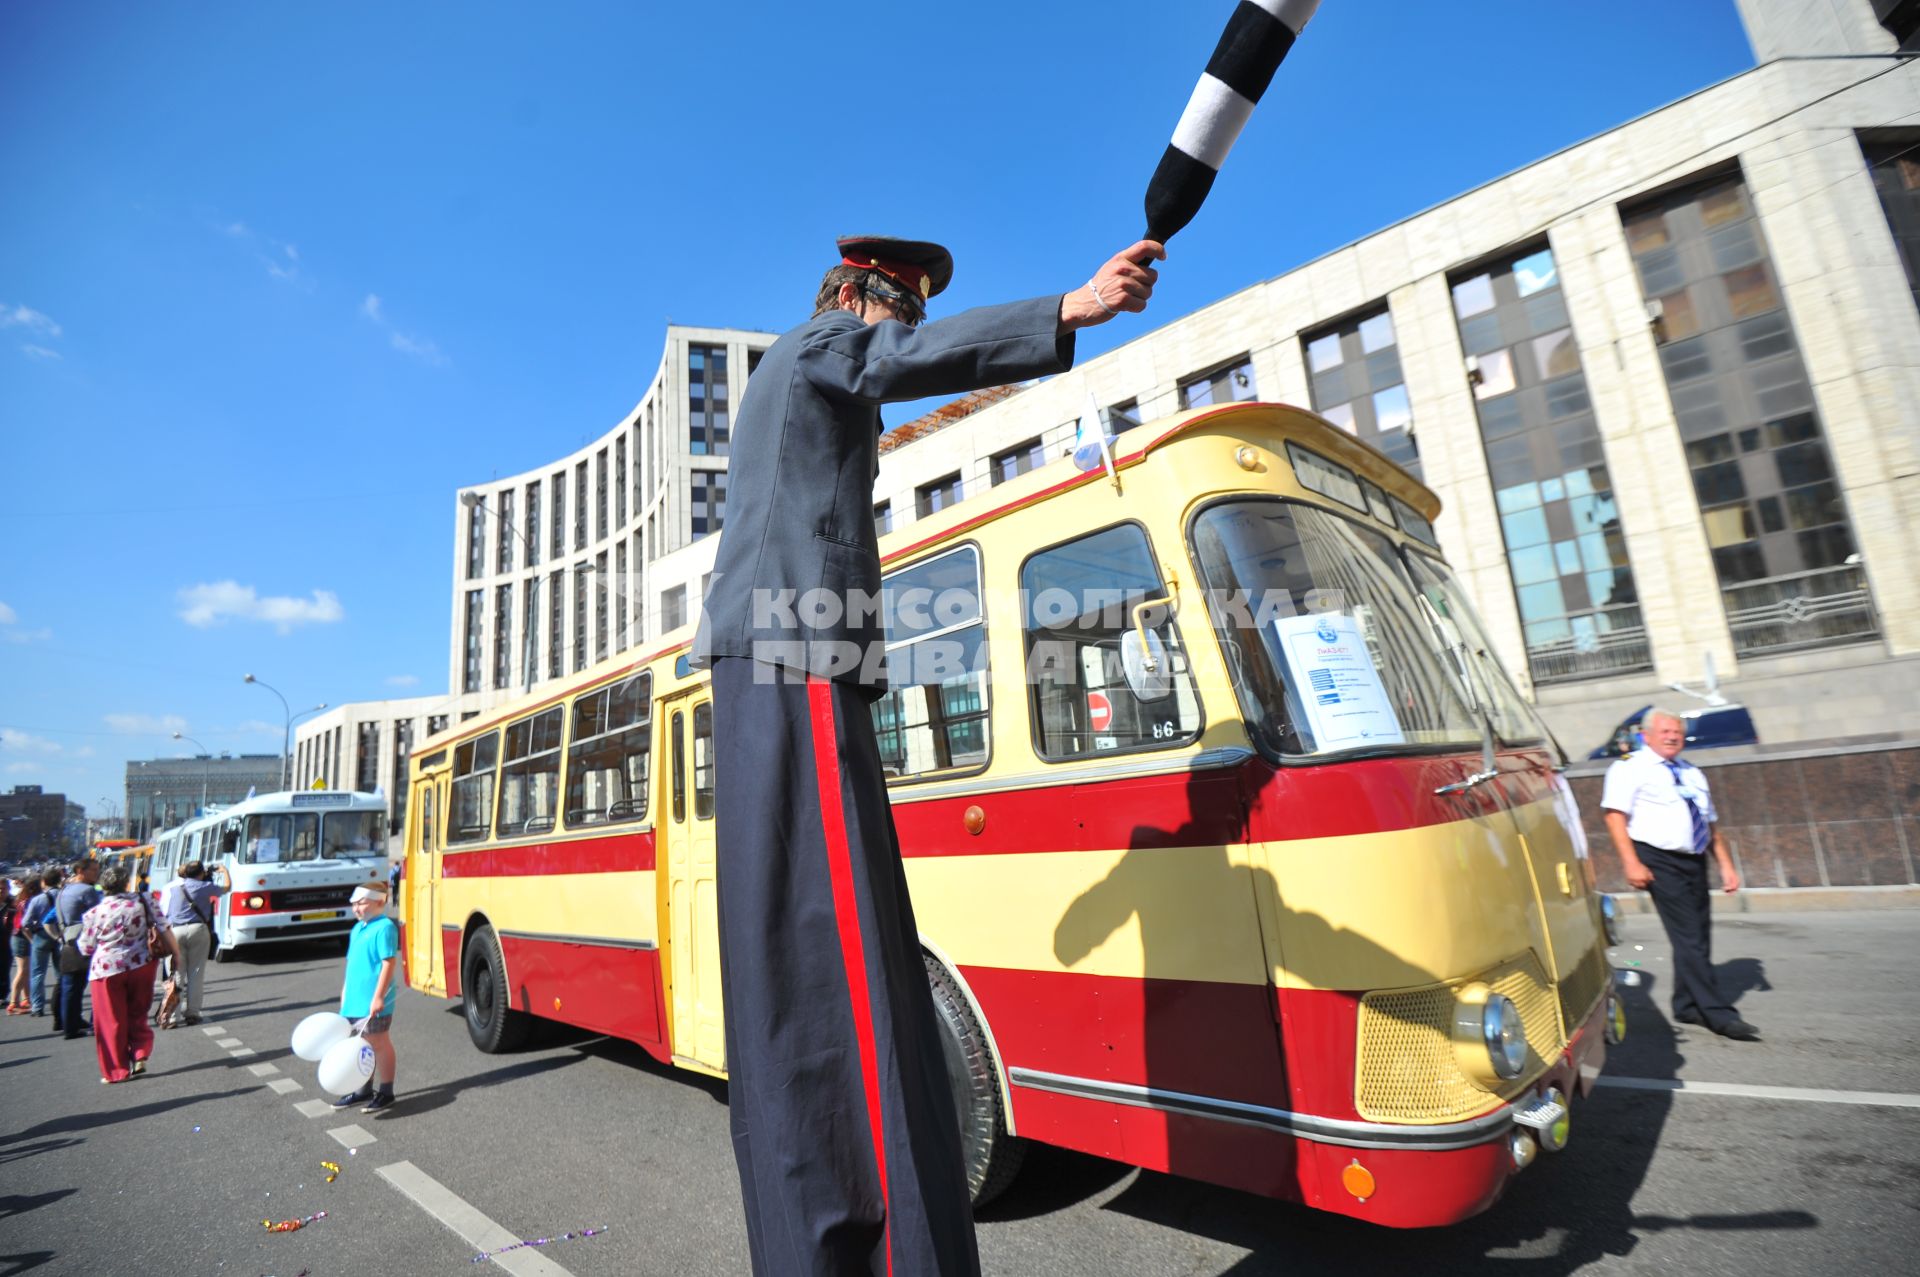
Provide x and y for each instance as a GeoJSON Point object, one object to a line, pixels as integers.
{"type": "Point", "coordinates": [1610, 919]}
{"type": "Point", "coordinates": [1489, 1041]}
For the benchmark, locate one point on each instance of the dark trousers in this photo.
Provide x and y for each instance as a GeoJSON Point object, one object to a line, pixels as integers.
{"type": "Point", "coordinates": [844, 1128]}
{"type": "Point", "coordinates": [1679, 893]}
{"type": "Point", "coordinates": [44, 958]}
{"type": "Point", "coordinates": [66, 1011]}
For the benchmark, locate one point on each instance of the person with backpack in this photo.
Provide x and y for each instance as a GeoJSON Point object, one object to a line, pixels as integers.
{"type": "Point", "coordinates": [43, 945]}
{"type": "Point", "coordinates": [187, 907]}
{"type": "Point", "coordinates": [70, 908]}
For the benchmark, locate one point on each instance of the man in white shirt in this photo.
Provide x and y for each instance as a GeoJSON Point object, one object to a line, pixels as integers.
{"type": "Point", "coordinates": [1661, 817]}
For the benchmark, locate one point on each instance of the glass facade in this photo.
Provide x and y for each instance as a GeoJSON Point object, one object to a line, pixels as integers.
{"type": "Point", "coordinates": [882, 518]}
{"type": "Point", "coordinates": [530, 628]}
{"type": "Point", "coordinates": [503, 636]}
{"type": "Point", "coordinates": [600, 496]}
{"type": "Point", "coordinates": [476, 620]}
{"type": "Point", "coordinates": [1229, 383]}
{"type": "Point", "coordinates": [619, 481]}
{"type": "Point", "coordinates": [1566, 550]}
{"type": "Point", "coordinates": [1017, 460]}
{"type": "Point", "coordinates": [533, 524]}
{"type": "Point", "coordinates": [707, 431]}
{"type": "Point", "coordinates": [580, 506]}
{"type": "Point", "coordinates": [503, 537]}
{"type": "Point", "coordinates": [397, 787]}
{"type": "Point", "coordinates": [366, 777]}
{"type": "Point", "coordinates": [580, 574]}
{"type": "Point", "coordinates": [557, 516]}
{"type": "Point", "coordinates": [1355, 381]}
{"type": "Point", "coordinates": [709, 501]}
{"type": "Point", "coordinates": [556, 624]}
{"type": "Point", "coordinates": [673, 608]}
{"type": "Point", "coordinates": [1782, 545]}
{"type": "Point", "coordinates": [1896, 175]}
{"type": "Point", "coordinates": [620, 640]}
{"type": "Point", "coordinates": [476, 545]}
{"type": "Point", "coordinates": [938, 495]}
{"type": "Point", "coordinates": [600, 607]}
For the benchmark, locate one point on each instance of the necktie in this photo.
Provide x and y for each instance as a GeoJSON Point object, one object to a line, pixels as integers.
{"type": "Point", "coordinates": [1702, 835]}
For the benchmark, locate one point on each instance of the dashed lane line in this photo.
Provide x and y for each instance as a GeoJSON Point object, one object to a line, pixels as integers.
{"type": "Point", "coordinates": [227, 1044]}
{"type": "Point", "coordinates": [312, 1108]}
{"type": "Point", "coordinates": [459, 1215]}
{"type": "Point", "coordinates": [214, 1030]}
{"type": "Point", "coordinates": [1804, 1094]}
{"type": "Point", "coordinates": [353, 1136]}
{"type": "Point", "coordinates": [263, 1070]}
{"type": "Point", "coordinates": [241, 1052]}
{"type": "Point", "coordinates": [284, 1085]}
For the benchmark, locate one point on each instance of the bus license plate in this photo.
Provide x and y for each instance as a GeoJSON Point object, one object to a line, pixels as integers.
{"type": "Point", "coordinates": [325, 915]}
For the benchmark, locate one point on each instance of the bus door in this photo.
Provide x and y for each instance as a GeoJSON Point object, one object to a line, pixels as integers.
{"type": "Point", "coordinates": [693, 927]}
{"type": "Point", "coordinates": [421, 880]}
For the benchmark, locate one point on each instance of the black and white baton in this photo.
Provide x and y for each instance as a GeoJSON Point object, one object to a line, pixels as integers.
{"type": "Point", "coordinates": [1257, 37]}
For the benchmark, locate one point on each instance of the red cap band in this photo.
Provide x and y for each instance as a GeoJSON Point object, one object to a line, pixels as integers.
{"type": "Point", "coordinates": [913, 278]}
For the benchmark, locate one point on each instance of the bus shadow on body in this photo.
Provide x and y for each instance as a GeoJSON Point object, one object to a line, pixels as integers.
{"type": "Point", "coordinates": [1576, 1206]}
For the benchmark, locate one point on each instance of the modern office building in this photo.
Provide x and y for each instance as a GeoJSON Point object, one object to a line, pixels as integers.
{"type": "Point", "coordinates": [35, 825]}
{"type": "Point", "coordinates": [366, 746]}
{"type": "Point", "coordinates": [1666, 382]}
{"type": "Point", "coordinates": [165, 791]}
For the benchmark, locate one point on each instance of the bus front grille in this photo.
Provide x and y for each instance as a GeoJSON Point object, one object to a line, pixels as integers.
{"type": "Point", "coordinates": [311, 898]}
{"type": "Point", "coordinates": [1406, 1070]}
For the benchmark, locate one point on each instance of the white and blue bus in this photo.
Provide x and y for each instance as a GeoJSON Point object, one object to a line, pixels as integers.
{"type": "Point", "coordinates": [284, 863]}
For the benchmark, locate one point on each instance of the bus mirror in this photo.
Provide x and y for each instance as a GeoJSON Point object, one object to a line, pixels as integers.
{"type": "Point", "coordinates": [1143, 659]}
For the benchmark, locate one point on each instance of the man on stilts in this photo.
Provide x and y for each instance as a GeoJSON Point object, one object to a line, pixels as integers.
{"type": "Point", "coordinates": [843, 1125]}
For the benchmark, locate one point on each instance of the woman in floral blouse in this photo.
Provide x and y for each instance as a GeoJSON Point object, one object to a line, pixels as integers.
{"type": "Point", "coordinates": [114, 933]}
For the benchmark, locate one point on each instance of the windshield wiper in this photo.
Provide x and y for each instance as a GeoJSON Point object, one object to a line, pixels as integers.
{"type": "Point", "coordinates": [1455, 650]}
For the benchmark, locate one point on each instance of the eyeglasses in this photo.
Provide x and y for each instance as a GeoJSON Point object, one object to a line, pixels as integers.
{"type": "Point", "coordinates": [905, 306]}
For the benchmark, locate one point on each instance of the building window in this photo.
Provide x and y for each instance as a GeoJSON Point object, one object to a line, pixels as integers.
{"type": "Point", "coordinates": [580, 574]}
{"type": "Point", "coordinates": [707, 431]}
{"type": "Point", "coordinates": [476, 619]}
{"type": "Point", "coordinates": [530, 629]}
{"type": "Point", "coordinates": [476, 543]}
{"type": "Point", "coordinates": [1017, 460]}
{"type": "Point", "coordinates": [619, 481]}
{"type": "Point", "coordinates": [1566, 551]}
{"type": "Point", "coordinates": [1121, 417]}
{"type": "Point", "coordinates": [556, 624]}
{"type": "Point", "coordinates": [620, 643]}
{"type": "Point", "coordinates": [600, 495]}
{"type": "Point", "coordinates": [1355, 381]}
{"type": "Point", "coordinates": [639, 503]}
{"type": "Point", "coordinates": [1896, 175]}
{"type": "Point", "coordinates": [436, 723]}
{"type": "Point", "coordinates": [580, 506]}
{"type": "Point", "coordinates": [673, 608]}
{"type": "Point", "coordinates": [503, 535]}
{"type": "Point", "coordinates": [533, 524]}
{"type": "Point", "coordinates": [600, 607]}
{"type": "Point", "coordinates": [402, 755]}
{"type": "Point", "coordinates": [503, 636]}
{"type": "Point", "coordinates": [933, 716]}
{"type": "Point", "coordinates": [367, 758]}
{"type": "Point", "coordinates": [882, 518]}
{"type": "Point", "coordinates": [1782, 544]}
{"type": "Point", "coordinates": [1231, 382]}
{"type": "Point", "coordinates": [557, 516]}
{"type": "Point", "coordinates": [938, 495]}
{"type": "Point", "coordinates": [709, 501]}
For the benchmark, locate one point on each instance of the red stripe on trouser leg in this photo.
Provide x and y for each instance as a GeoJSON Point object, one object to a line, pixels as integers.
{"type": "Point", "coordinates": [846, 912]}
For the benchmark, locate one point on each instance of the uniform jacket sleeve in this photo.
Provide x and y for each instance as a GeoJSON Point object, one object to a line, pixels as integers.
{"type": "Point", "coordinates": [890, 363]}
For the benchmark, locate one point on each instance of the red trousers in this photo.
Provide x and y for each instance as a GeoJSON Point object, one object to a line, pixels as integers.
{"type": "Point", "coordinates": [121, 1032]}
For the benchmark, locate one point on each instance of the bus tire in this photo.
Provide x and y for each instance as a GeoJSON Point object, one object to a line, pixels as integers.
{"type": "Point", "coordinates": [991, 1155]}
{"type": "Point", "coordinates": [223, 953]}
{"type": "Point", "coordinates": [492, 1022]}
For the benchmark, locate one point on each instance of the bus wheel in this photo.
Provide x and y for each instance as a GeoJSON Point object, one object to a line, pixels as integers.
{"type": "Point", "coordinates": [992, 1157]}
{"type": "Point", "coordinates": [223, 953]}
{"type": "Point", "coordinates": [492, 1022]}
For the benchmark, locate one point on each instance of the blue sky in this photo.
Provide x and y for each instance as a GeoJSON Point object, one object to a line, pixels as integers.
{"type": "Point", "coordinates": [275, 279]}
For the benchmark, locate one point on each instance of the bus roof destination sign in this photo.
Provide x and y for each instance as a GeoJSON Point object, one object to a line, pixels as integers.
{"type": "Point", "coordinates": [322, 800]}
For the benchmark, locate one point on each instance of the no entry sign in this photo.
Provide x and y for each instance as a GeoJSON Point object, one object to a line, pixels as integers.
{"type": "Point", "coordinates": [1099, 711]}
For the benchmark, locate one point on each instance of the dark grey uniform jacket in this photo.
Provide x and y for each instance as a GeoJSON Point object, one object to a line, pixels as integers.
{"type": "Point", "coordinates": [800, 483]}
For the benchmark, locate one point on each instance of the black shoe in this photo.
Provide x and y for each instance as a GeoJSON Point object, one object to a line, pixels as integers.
{"type": "Point", "coordinates": [382, 1099]}
{"type": "Point", "coordinates": [360, 1096]}
{"type": "Point", "coordinates": [1690, 1017]}
{"type": "Point", "coordinates": [1739, 1030]}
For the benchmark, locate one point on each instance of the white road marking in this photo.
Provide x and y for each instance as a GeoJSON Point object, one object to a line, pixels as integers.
{"type": "Point", "coordinates": [214, 1030]}
{"type": "Point", "coordinates": [352, 1136]}
{"type": "Point", "coordinates": [311, 1108]}
{"type": "Point", "coordinates": [1806, 1094]}
{"type": "Point", "coordinates": [241, 1053]}
{"type": "Point", "coordinates": [284, 1085]}
{"type": "Point", "coordinates": [479, 1232]}
{"type": "Point", "coordinates": [263, 1070]}
{"type": "Point", "coordinates": [227, 1044]}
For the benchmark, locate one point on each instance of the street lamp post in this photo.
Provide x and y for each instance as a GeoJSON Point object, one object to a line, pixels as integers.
{"type": "Point", "coordinates": [474, 501]}
{"type": "Point", "coordinates": [204, 767]}
{"type": "Point", "coordinates": [286, 736]}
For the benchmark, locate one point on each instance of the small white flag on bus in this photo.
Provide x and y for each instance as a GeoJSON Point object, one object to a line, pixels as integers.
{"type": "Point", "coordinates": [1092, 444]}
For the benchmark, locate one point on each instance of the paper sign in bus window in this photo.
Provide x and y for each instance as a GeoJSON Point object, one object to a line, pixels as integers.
{"type": "Point", "coordinates": [1340, 690]}
{"type": "Point", "coordinates": [266, 850]}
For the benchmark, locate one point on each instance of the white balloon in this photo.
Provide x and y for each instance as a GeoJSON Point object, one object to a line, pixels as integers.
{"type": "Point", "coordinates": [315, 1034]}
{"type": "Point", "coordinates": [346, 1066]}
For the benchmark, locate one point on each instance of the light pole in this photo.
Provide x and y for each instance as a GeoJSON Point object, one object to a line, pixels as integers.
{"type": "Point", "coordinates": [309, 713]}
{"type": "Point", "coordinates": [153, 815]}
{"type": "Point", "coordinates": [286, 737]}
{"type": "Point", "coordinates": [208, 755]}
{"type": "Point", "coordinates": [474, 501]}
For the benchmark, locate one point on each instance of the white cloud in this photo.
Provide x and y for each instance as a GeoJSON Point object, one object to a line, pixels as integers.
{"type": "Point", "coordinates": [371, 308]}
{"type": "Point", "coordinates": [40, 635]}
{"type": "Point", "coordinates": [7, 615]}
{"type": "Point", "coordinates": [259, 727]}
{"type": "Point", "coordinates": [403, 680]}
{"type": "Point", "coordinates": [24, 769]}
{"type": "Point", "coordinates": [215, 603]}
{"type": "Point", "coordinates": [32, 351]}
{"type": "Point", "coordinates": [28, 318]}
{"type": "Point", "coordinates": [85, 751]}
{"type": "Point", "coordinates": [281, 261]}
{"type": "Point", "coordinates": [426, 350]}
{"type": "Point", "coordinates": [145, 724]}
{"type": "Point", "coordinates": [238, 230]}
{"type": "Point", "coordinates": [19, 742]}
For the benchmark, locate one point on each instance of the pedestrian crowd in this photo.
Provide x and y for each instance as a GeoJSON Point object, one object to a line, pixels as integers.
{"type": "Point", "coordinates": [83, 936]}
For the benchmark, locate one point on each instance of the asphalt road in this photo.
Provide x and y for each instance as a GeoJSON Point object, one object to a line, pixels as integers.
{"type": "Point", "coordinates": [175, 1173]}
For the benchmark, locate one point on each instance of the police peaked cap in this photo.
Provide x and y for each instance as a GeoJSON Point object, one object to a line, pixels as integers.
{"type": "Point", "coordinates": [922, 268]}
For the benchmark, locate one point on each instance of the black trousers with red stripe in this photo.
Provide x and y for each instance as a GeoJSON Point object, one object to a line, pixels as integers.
{"type": "Point", "coordinates": [844, 1127]}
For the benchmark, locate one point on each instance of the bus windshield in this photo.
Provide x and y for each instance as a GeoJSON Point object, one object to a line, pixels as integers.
{"type": "Point", "coordinates": [350, 834]}
{"type": "Point", "coordinates": [281, 838]}
{"type": "Point", "coordinates": [1329, 648]}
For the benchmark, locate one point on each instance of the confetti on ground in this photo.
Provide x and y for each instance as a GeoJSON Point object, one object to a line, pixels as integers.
{"type": "Point", "coordinates": [332, 1169]}
{"type": "Point", "coordinates": [541, 1241]}
{"type": "Point", "coordinates": [196, 1130]}
{"type": "Point", "coordinates": [291, 1225]}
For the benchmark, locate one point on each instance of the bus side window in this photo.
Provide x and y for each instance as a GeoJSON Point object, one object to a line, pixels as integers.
{"type": "Point", "coordinates": [703, 761]}
{"type": "Point", "coordinates": [679, 767]}
{"type": "Point", "coordinates": [530, 777]}
{"type": "Point", "coordinates": [1079, 599]}
{"type": "Point", "coordinates": [933, 716]}
{"type": "Point", "coordinates": [608, 753]}
{"type": "Point", "coordinates": [473, 766]}
{"type": "Point", "coordinates": [424, 820]}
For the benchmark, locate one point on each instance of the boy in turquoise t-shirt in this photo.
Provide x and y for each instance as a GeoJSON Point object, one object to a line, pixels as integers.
{"type": "Point", "coordinates": [370, 990]}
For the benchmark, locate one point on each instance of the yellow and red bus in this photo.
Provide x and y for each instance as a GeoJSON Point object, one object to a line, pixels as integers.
{"type": "Point", "coordinates": [1234, 852]}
